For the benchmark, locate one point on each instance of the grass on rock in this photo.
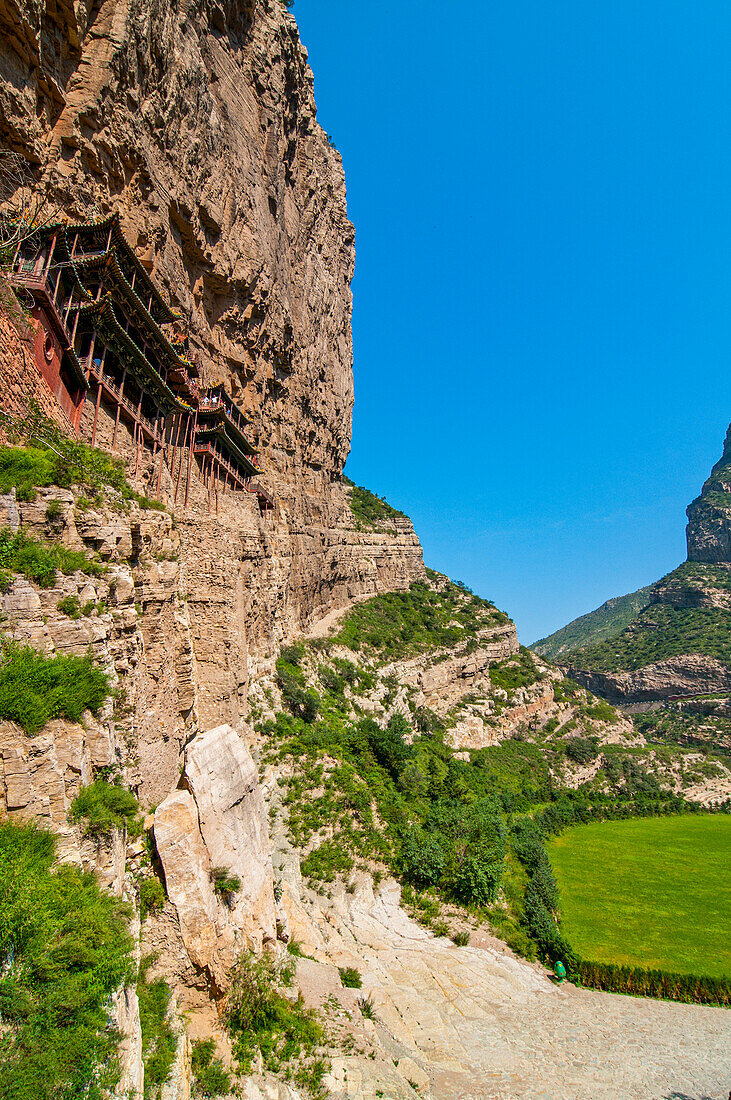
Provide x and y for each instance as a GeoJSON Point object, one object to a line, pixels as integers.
{"type": "Point", "coordinates": [65, 950]}
{"type": "Point", "coordinates": [35, 688]}
{"type": "Point", "coordinates": [661, 632]}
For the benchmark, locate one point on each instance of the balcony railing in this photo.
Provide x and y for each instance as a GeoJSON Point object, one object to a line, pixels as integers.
{"type": "Point", "coordinates": [217, 404]}
{"type": "Point", "coordinates": [108, 383]}
{"type": "Point", "coordinates": [40, 287]}
{"type": "Point", "coordinates": [207, 449]}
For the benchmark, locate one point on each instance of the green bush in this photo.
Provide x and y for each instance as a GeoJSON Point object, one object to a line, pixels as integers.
{"type": "Point", "coordinates": [69, 605]}
{"type": "Point", "coordinates": [210, 1078]}
{"type": "Point", "coordinates": [660, 632]}
{"type": "Point", "coordinates": [582, 750]}
{"type": "Point", "coordinates": [40, 561]}
{"type": "Point", "coordinates": [350, 977]}
{"type": "Point", "coordinates": [159, 1040]}
{"type": "Point", "coordinates": [104, 806]}
{"type": "Point", "coordinates": [35, 688]}
{"type": "Point", "coordinates": [402, 624]}
{"type": "Point", "coordinates": [152, 897]}
{"type": "Point", "coordinates": [635, 980]}
{"type": "Point", "coordinates": [292, 654]}
{"type": "Point", "coordinates": [65, 950]}
{"type": "Point", "coordinates": [368, 509]}
{"type": "Point", "coordinates": [422, 858]}
{"type": "Point", "coordinates": [225, 884]}
{"type": "Point", "coordinates": [515, 672]}
{"type": "Point", "coordinates": [261, 1018]}
{"type": "Point", "coordinates": [477, 879]}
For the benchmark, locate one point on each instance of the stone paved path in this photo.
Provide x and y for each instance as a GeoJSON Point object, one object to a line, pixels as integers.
{"type": "Point", "coordinates": [485, 1026]}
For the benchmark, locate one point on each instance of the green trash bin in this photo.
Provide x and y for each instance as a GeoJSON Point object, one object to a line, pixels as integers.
{"type": "Point", "coordinates": [559, 970]}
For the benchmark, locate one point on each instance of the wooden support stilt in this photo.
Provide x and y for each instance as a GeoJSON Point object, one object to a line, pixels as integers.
{"type": "Point", "coordinates": [116, 425]}
{"type": "Point", "coordinates": [159, 472]}
{"type": "Point", "coordinates": [50, 254]}
{"type": "Point", "coordinates": [96, 412]}
{"type": "Point", "coordinates": [182, 456]}
{"type": "Point", "coordinates": [137, 433]}
{"type": "Point", "coordinates": [191, 445]}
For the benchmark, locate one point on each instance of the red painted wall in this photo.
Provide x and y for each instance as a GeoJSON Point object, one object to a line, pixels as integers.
{"type": "Point", "coordinates": [49, 356]}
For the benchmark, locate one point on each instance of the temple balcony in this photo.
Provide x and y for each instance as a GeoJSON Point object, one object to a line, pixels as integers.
{"type": "Point", "coordinates": [115, 392]}
{"type": "Point", "coordinates": [40, 286]}
{"type": "Point", "coordinates": [203, 449]}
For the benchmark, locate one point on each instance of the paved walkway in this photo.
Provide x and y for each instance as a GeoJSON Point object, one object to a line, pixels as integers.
{"type": "Point", "coordinates": [482, 1025]}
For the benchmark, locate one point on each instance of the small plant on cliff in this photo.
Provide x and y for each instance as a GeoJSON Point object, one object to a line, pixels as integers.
{"type": "Point", "coordinates": [35, 688]}
{"type": "Point", "coordinates": [210, 1078]}
{"type": "Point", "coordinates": [225, 884]}
{"type": "Point", "coordinates": [104, 807]}
{"type": "Point", "coordinates": [261, 1018]}
{"type": "Point", "coordinates": [350, 977]}
{"type": "Point", "coordinates": [40, 561]}
{"type": "Point", "coordinates": [69, 605]}
{"type": "Point", "coordinates": [65, 950]}
{"type": "Point", "coordinates": [159, 1040]}
{"type": "Point", "coordinates": [152, 897]}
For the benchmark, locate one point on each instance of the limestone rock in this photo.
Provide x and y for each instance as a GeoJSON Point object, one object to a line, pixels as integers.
{"type": "Point", "coordinates": [233, 822]}
{"type": "Point", "coordinates": [218, 820]}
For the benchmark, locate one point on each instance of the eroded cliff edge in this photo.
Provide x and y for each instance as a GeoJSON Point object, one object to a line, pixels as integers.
{"type": "Point", "coordinates": [197, 124]}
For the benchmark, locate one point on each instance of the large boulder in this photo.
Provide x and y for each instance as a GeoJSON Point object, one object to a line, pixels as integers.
{"type": "Point", "coordinates": [217, 819]}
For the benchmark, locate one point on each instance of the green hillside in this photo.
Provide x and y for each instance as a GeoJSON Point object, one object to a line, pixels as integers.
{"type": "Point", "coordinates": [596, 627]}
{"type": "Point", "coordinates": [658, 633]}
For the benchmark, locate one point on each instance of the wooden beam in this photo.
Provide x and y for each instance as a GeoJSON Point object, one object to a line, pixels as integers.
{"type": "Point", "coordinates": [96, 411]}
{"type": "Point", "coordinates": [191, 444]}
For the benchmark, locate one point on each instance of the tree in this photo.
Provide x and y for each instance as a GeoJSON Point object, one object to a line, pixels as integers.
{"type": "Point", "coordinates": [25, 205]}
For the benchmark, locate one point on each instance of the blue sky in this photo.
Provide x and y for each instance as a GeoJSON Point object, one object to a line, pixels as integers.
{"type": "Point", "coordinates": [542, 322]}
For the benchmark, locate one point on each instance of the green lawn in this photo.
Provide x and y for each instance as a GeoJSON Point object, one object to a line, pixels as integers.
{"type": "Point", "coordinates": [652, 892]}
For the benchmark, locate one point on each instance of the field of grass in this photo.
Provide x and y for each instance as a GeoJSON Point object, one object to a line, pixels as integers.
{"type": "Point", "coordinates": [652, 892]}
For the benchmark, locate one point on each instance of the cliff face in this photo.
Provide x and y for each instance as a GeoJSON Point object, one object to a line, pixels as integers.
{"type": "Point", "coordinates": [709, 516]}
{"type": "Point", "coordinates": [197, 123]}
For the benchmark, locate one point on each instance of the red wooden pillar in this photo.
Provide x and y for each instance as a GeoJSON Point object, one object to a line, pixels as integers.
{"type": "Point", "coordinates": [96, 411]}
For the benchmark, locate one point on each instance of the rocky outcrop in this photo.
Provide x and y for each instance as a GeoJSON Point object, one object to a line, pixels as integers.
{"type": "Point", "coordinates": [709, 516]}
{"type": "Point", "coordinates": [691, 674]}
{"type": "Point", "coordinates": [217, 822]}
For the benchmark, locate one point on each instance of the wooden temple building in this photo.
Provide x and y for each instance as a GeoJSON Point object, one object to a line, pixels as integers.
{"type": "Point", "coordinates": [105, 337]}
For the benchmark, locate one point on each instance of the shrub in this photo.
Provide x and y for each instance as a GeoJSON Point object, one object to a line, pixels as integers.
{"type": "Point", "coordinates": [66, 949]}
{"type": "Point", "coordinates": [422, 858]}
{"type": "Point", "coordinates": [24, 468]}
{"type": "Point", "coordinates": [210, 1078]}
{"type": "Point", "coordinates": [152, 897]}
{"type": "Point", "coordinates": [461, 939]}
{"type": "Point", "coordinates": [368, 509]}
{"type": "Point", "coordinates": [40, 561]}
{"type": "Point", "coordinates": [261, 1018]}
{"type": "Point", "coordinates": [159, 1040]}
{"type": "Point", "coordinates": [640, 982]}
{"type": "Point", "coordinates": [293, 654]}
{"type": "Point", "coordinates": [35, 688]}
{"type": "Point", "coordinates": [367, 1007]}
{"type": "Point", "coordinates": [225, 884]}
{"type": "Point", "coordinates": [401, 624]}
{"type": "Point", "coordinates": [582, 750]}
{"type": "Point", "coordinates": [350, 977]}
{"type": "Point", "coordinates": [477, 880]}
{"type": "Point", "coordinates": [69, 605]}
{"type": "Point", "coordinates": [515, 672]}
{"type": "Point", "coordinates": [105, 807]}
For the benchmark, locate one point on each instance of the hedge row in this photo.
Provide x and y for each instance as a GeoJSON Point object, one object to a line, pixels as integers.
{"type": "Point", "coordinates": [654, 983]}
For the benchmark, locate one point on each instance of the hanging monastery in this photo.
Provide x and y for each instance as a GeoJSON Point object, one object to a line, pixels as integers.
{"type": "Point", "coordinates": [106, 340]}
